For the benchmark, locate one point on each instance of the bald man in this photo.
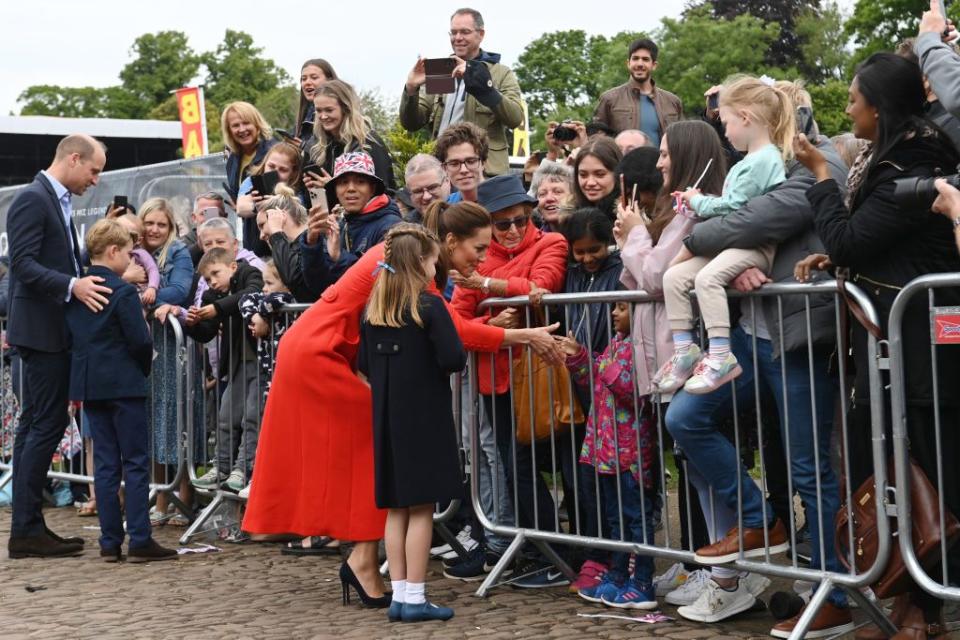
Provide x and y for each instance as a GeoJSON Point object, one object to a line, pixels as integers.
{"type": "Point", "coordinates": [45, 274]}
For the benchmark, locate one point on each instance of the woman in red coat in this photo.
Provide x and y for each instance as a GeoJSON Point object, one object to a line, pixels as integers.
{"type": "Point", "coordinates": [314, 473]}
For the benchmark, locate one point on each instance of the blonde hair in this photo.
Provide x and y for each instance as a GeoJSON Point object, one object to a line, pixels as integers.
{"type": "Point", "coordinates": [286, 200]}
{"type": "Point", "coordinates": [161, 204]}
{"type": "Point", "coordinates": [104, 234]}
{"type": "Point", "coordinates": [247, 113]}
{"type": "Point", "coordinates": [398, 285]}
{"type": "Point", "coordinates": [292, 154]}
{"type": "Point", "coordinates": [767, 105]}
{"type": "Point", "coordinates": [354, 127]}
{"type": "Point", "coordinates": [269, 264]}
{"type": "Point", "coordinates": [135, 222]}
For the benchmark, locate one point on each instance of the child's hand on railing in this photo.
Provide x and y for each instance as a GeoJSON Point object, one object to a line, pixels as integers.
{"type": "Point", "coordinates": [259, 327]}
{"type": "Point", "coordinates": [568, 344]}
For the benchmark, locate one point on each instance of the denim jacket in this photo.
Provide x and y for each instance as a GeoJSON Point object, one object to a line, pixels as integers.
{"type": "Point", "coordinates": [176, 275]}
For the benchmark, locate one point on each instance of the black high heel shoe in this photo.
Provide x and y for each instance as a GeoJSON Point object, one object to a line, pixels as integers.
{"type": "Point", "coordinates": [349, 579]}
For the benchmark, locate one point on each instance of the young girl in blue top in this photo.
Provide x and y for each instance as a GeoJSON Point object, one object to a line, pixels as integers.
{"type": "Point", "coordinates": [759, 119]}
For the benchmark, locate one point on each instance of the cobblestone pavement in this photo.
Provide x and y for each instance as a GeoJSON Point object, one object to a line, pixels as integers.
{"type": "Point", "coordinates": [252, 591]}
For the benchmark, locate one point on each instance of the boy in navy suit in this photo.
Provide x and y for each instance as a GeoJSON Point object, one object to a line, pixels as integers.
{"type": "Point", "coordinates": [111, 357]}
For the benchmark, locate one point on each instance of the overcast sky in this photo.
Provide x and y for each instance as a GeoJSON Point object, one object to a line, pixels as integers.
{"type": "Point", "coordinates": [371, 43]}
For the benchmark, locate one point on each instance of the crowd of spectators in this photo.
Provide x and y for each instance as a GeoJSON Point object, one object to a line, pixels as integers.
{"type": "Point", "coordinates": [611, 204]}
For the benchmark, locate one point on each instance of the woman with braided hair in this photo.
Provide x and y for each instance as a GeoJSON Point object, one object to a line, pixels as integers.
{"type": "Point", "coordinates": [314, 473]}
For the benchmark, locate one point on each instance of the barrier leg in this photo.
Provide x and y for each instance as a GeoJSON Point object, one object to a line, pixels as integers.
{"type": "Point", "coordinates": [197, 527]}
{"type": "Point", "coordinates": [811, 610]}
{"type": "Point", "coordinates": [498, 569]}
{"type": "Point", "coordinates": [6, 478]}
{"type": "Point", "coordinates": [448, 536]}
{"type": "Point", "coordinates": [872, 609]}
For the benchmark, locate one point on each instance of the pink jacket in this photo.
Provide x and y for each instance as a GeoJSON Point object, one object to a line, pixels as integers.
{"type": "Point", "coordinates": [643, 267]}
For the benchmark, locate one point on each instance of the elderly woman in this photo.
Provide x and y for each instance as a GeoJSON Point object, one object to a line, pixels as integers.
{"type": "Point", "coordinates": [885, 244]}
{"type": "Point", "coordinates": [552, 186]}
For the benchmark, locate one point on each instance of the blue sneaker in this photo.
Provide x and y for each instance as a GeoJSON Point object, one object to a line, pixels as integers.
{"type": "Point", "coordinates": [394, 614]}
{"type": "Point", "coordinates": [424, 611]}
{"type": "Point", "coordinates": [606, 587]}
{"type": "Point", "coordinates": [632, 595]}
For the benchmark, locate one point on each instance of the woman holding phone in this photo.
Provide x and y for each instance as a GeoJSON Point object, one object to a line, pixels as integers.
{"type": "Point", "coordinates": [339, 127]}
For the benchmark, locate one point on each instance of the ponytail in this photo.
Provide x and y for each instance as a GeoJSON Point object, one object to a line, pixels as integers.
{"type": "Point", "coordinates": [768, 105]}
{"type": "Point", "coordinates": [783, 129]}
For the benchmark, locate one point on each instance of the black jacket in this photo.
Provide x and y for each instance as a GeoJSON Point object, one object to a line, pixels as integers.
{"type": "Point", "coordinates": [229, 322]}
{"type": "Point", "coordinates": [111, 351]}
{"type": "Point", "coordinates": [42, 262]}
{"type": "Point", "coordinates": [251, 234]}
{"type": "Point", "coordinates": [288, 258]}
{"type": "Point", "coordinates": [885, 246]}
{"type": "Point", "coordinates": [599, 325]}
{"type": "Point", "coordinates": [374, 145]}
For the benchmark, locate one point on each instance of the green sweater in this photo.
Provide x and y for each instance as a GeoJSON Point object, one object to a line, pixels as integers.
{"type": "Point", "coordinates": [756, 174]}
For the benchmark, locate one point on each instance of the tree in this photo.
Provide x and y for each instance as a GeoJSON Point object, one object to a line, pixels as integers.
{"type": "Point", "coordinates": [380, 110]}
{"type": "Point", "coordinates": [688, 68]}
{"type": "Point", "coordinates": [237, 70]}
{"type": "Point", "coordinates": [783, 52]}
{"type": "Point", "coordinates": [878, 25]}
{"type": "Point", "coordinates": [403, 145]}
{"type": "Point", "coordinates": [78, 102]}
{"type": "Point", "coordinates": [163, 62]}
{"type": "Point", "coordinates": [829, 105]}
{"type": "Point", "coordinates": [823, 43]}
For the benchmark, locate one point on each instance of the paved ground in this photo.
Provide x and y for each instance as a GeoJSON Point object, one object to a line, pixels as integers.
{"type": "Point", "coordinates": [251, 591]}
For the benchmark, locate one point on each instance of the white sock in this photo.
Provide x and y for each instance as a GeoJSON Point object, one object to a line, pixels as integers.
{"type": "Point", "coordinates": [415, 593]}
{"type": "Point", "coordinates": [399, 590]}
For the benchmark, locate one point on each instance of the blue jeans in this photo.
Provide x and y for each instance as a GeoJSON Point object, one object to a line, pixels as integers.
{"type": "Point", "coordinates": [637, 517]}
{"type": "Point", "coordinates": [120, 436]}
{"type": "Point", "coordinates": [691, 419]}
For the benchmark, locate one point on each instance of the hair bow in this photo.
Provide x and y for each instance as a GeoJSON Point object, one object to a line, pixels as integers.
{"type": "Point", "coordinates": [383, 265]}
{"type": "Point", "coordinates": [767, 80]}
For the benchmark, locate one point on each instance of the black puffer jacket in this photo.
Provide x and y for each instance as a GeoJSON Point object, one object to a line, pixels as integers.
{"type": "Point", "coordinates": [885, 246]}
{"type": "Point", "coordinates": [607, 278]}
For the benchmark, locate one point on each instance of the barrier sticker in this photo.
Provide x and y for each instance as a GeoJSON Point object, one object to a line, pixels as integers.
{"type": "Point", "coordinates": [946, 325]}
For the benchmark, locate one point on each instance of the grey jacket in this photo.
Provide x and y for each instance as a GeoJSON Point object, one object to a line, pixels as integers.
{"type": "Point", "coordinates": [941, 65]}
{"type": "Point", "coordinates": [782, 217]}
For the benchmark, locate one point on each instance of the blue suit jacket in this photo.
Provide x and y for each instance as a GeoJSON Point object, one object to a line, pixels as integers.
{"type": "Point", "coordinates": [112, 350]}
{"type": "Point", "coordinates": [42, 262]}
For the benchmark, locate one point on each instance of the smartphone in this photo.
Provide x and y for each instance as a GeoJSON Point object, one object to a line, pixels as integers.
{"type": "Point", "coordinates": [713, 102]}
{"type": "Point", "coordinates": [209, 213]}
{"type": "Point", "coordinates": [119, 202]}
{"type": "Point", "coordinates": [286, 135]}
{"type": "Point", "coordinates": [318, 197]}
{"type": "Point", "coordinates": [439, 78]}
{"type": "Point", "coordinates": [265, 183]}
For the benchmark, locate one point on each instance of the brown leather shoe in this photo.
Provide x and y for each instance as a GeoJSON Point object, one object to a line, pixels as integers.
{"type": "Point", "coordinates": [872, 632]}
{"type": "Point", "coordinates": [728, 548]}
{"type": "Point", "coordinates": [830, 621]}
{"type": "Point", "coordinates": [916, 627]}
{"type": "Point", "coordinates": [151, 552]}
{"type": "Point", "coordinates": [41, 546]}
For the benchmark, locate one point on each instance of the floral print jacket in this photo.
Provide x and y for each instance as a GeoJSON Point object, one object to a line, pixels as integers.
{"type": "Point", "coordinates": [616, 409]}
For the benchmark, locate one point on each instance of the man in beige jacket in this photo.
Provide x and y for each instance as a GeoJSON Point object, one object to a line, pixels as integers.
{"type": "Point", "coordinates": [639, 103]}
{"type": "Point", "coordinates": [486, 93]}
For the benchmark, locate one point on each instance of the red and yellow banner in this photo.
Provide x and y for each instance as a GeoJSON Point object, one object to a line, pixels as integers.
{"type": "Point", "coordinates": [193, 121]}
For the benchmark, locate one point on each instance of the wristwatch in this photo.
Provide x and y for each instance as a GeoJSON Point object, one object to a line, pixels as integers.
{"type": "Point", "coordinates": [485, 287]}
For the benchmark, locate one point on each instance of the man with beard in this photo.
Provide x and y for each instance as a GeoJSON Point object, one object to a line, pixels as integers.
{"type": "Point", "coordinates": [639, 103]}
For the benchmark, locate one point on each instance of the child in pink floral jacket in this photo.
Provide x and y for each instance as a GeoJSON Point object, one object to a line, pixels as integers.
{"type": "Point", "coordinates": [620, 444]}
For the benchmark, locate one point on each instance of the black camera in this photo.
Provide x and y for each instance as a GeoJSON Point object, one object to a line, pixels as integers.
{"type": "Point", "coordinates": [919, 193]}
{"type": "Point", "coordinates": [563, 133]}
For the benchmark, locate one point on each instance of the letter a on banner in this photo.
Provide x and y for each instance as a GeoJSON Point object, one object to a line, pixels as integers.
{"type": "Point", "coordinates": [193, 121]}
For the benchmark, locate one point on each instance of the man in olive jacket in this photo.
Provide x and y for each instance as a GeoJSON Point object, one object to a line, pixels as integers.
{"type": "Point", "coordinates": [487, 93]}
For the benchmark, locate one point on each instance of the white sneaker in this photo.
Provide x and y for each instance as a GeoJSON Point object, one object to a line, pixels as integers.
{"type": "Point", "coordinates": [671, 579]}
{"type": "Point", "coordinates": [755, 583]}
{"type": "Point", "coordinates": [212, 479]}
{"type": "Point", "coordinates": [716, 604]}
{"type": "Point", "coordinates": [236, 480]}
{"type": "Point", "coordinates": [690, 590]}
{"type": "Point", "coordinates": [244, 493]}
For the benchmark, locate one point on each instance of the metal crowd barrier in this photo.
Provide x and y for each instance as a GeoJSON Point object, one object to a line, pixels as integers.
{"type": "Point", "coordinates": [944, 330]}
{"type": "Point", "coordinates": [533, 470]}
{"type": "Point", "coordinates": [72, 462]}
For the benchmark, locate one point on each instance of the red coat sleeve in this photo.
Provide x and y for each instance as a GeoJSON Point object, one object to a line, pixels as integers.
{"type": "Point", "coordinates": [475, 336]}
{"type": "Point", "coordinates": [549, 267]}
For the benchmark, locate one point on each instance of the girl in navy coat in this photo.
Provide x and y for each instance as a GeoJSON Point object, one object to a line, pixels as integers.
{"type": "Point", "coordinates": [408, 350]}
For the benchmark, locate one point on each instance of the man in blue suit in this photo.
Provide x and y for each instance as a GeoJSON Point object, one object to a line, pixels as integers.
{"type": "Point", "coordinates": [46, 273]}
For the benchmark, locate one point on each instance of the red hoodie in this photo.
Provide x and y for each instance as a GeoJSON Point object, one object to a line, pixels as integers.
{"type": "Point", "coordinates": [540, 258]}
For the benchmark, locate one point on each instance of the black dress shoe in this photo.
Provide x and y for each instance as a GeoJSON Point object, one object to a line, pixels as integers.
{"type": "Point", "coordinates": [41, 546]}
{"type": "Point", "coordinates": [111, 555]}
{"type": "Point", "coordinates": [151, 552]}
{"type": "Point", "coordinates": [62, 540]}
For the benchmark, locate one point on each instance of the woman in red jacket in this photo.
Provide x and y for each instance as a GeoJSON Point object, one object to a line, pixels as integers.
{"type": "Point", "coordinates": [314, 473]}
{"type": "Point", "coordinates": [522, 260]}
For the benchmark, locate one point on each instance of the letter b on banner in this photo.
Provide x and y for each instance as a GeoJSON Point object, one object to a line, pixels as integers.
{"type": "Point", "coordinates": [189, 109]}
{"type": "Point", "coordinates": [192, 125]}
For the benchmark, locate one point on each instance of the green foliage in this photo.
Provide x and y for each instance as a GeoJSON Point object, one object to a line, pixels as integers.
{"type": "Point", "coordinates": [688, 67]}
{"type": "Point", "coordinates": [403, 145]}
{"type": "Point", "coordinates": [279, 106]}
{"type": "Point", "coordinates": [823, 43]}
{"type": "Point", "coordinates": [382, 112]}
{"type": "Point", "coordinates": [829, 105]}
{"type": "Point", "coordinates": [163, 61]}
{"type": "Point", "coordinates": [879, 25]}
{"type": "Point", "coordinates": [236, 70]}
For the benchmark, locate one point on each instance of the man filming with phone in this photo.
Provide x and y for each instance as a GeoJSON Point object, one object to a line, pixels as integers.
{"type": "Point", "coordinates": [484, 92]}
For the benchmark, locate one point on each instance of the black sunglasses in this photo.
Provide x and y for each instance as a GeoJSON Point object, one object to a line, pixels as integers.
{"type": "Point", "coordinates": [520, 221]}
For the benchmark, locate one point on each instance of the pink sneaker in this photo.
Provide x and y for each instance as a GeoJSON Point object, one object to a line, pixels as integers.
{"type": "Point", "coordinates": [591, 573]}
{"type": "Point", "coordinates": [676, 370]}
{"type": "Point", "coordinates": [710, 376]}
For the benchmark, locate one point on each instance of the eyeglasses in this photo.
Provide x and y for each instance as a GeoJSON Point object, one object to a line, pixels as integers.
{"type": "Point", "coordinates": [455, 165]}
{"type": "Point", "coordinates": [520, 221]}
{"type": "Point", "coordinates": [461, 32]}
{"type": "Point", "coordinates": [432, 188]}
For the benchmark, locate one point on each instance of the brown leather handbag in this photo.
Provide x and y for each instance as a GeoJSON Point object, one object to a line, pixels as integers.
{"type": "Point", "coordinates": [547, 389]}
{"type": "Point", "coordinates": [927, 532]}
